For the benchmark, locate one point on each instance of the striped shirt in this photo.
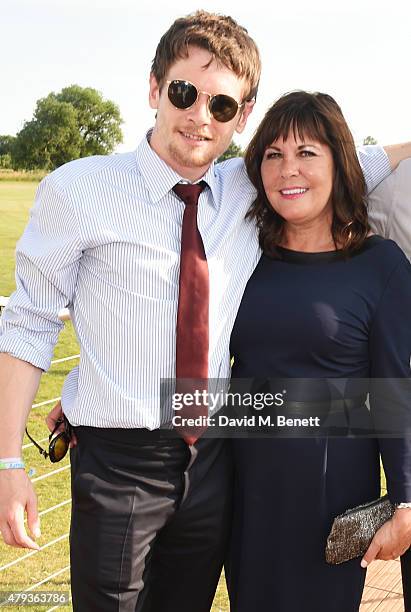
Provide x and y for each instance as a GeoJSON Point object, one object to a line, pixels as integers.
{"type": "Point", "coordinates": [103, 239]}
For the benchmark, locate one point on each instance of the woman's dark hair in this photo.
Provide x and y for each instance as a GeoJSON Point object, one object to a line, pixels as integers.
{"type": "Point", "coordinates": [317, 116]}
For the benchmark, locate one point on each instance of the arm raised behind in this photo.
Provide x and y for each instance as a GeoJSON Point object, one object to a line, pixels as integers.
{"type": "Point", "coordinates": [397, 153]}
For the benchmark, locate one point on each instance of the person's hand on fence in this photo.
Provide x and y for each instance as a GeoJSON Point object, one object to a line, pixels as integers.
{"type": "Point", "coordinates": [17, 497]}
{"type": "Point", "coordinates": [51, 419]}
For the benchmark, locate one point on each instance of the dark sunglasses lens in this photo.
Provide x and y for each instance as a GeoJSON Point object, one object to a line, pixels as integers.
{"type": "Point", "coordinates": [223, 108]}
{"type": "Point", "coordinates": [59, 447]}
{"type": "Point", "coordinates": [182, 94]}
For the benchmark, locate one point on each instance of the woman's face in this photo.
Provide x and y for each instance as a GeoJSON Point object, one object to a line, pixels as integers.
{"type": "Point", "coordinates": [298, 177]}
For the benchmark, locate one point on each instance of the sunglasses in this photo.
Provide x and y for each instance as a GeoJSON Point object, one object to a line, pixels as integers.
{"type": "Point", "coordinates": [183, 95]}
{"type": "Point", "coordinates": [59, 445]}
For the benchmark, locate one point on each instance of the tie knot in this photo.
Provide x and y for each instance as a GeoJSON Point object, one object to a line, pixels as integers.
{"type": "Point", "coordinates": [189, 193]}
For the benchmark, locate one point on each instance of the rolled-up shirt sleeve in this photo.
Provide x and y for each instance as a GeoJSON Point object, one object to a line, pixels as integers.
{"type": "Point", "coordinates": [375, 165]}
{"type": "Point", "coordinates": [47, 261]}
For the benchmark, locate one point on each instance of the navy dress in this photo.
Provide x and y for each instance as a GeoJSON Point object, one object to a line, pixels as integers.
{"type": "Point", "coordinates": [313, 315]}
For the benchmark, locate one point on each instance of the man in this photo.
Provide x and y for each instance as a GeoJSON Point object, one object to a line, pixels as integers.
{"type": "Point", "coordinates": [151, 513]}
{"type": "Point", "coordinates": [393, 222]}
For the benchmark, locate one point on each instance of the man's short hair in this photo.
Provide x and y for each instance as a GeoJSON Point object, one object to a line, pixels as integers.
{"type": "Point", "coordinates": [228, 43]}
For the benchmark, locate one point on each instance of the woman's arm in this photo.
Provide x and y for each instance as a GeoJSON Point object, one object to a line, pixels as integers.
{"type": "Point", "coordinates": [390, 401]}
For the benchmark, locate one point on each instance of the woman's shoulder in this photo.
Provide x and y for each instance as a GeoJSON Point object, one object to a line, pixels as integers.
{"type": "Point", "coordinates": [385, 252]}
{"type": "Point", "coordinates": [389, 247]}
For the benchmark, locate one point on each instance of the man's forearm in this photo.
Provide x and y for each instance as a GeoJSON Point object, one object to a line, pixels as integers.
{"type": "Point", "coordinates": [397, 153]}
{"type": "Point", "coordinates": [19, 381]}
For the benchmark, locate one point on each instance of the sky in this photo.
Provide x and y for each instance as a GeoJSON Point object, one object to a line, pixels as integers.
{"type": "Point", "coordinates": [357, 51]}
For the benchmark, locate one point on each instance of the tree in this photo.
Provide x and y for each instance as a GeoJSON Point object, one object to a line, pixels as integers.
{"type": "Point", "coordinates": [232, 151]}
{"type": "Point", "coordinates": [6, 148]}
{"type": "Point", "coordinates": [369, 140]}
{"type": "Point", "coordinates": [6, 144]}
{"type": "Point", "coordinates": [98, 120]}
{"type": "Point", "coordinates": [50, 139]}
{"type": "Point", "coordinates": [77, 122]}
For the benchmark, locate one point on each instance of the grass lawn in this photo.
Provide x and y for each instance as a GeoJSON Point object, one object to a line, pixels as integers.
{"type": "Point", "coordinates": [15, 202]}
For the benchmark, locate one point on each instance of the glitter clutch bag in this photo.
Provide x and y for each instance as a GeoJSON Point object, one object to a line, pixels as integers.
{"type": "Point", "coordinates": [352, 531]}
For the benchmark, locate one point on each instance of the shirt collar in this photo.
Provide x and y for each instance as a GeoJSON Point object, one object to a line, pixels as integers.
{"type": "Point", "coordinates": [160, 178]}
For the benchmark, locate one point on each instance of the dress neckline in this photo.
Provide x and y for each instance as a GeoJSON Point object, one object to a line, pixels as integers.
{"type": "Point", "coordinates": [303, 257]}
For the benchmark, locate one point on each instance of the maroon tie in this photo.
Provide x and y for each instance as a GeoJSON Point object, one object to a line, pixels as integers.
{"type": "Point", "coordinates": [192, 318]}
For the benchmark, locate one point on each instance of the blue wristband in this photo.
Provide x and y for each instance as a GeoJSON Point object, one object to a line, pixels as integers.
{"type": "Point", "coordinates": [12, 464]}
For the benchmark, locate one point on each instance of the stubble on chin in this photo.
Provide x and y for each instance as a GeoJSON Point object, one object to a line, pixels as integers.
{"type": "Point", "coordinates": [191, 159]}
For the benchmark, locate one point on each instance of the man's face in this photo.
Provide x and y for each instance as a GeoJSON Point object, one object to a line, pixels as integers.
{"type": "Point", "coordinates": [189, 140]}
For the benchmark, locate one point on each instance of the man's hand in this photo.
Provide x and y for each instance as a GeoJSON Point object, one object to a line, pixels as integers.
{"type": "Point", "coordinates": [53, 416]}
{"type": "Point", "coordinates": [397, 153]}
{"type": "Point", "coordinates": [17, 496]}
{"type": "Point", "coordinates": [392, 539]}
{"type": "Point", "coordinates": [19, 381]}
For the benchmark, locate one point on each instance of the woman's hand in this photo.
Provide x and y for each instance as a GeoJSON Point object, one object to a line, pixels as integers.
{"type": "Point", "coordinates": [392, 539]}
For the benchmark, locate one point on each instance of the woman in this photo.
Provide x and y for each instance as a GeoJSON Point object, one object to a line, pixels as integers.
{"type": "Point", "coordinates": [328, 300]}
